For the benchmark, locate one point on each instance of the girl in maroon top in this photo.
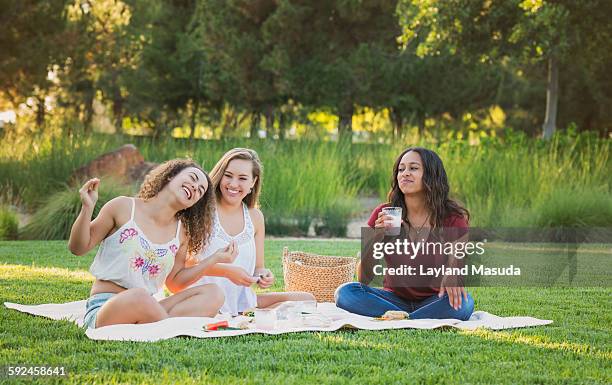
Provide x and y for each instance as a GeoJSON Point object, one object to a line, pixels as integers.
{"type": "Point", "coordinates": [420, 187]}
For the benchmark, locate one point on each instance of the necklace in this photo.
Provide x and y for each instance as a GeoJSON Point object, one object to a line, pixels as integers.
{"type": "Point", "coordinates": [418, 231]}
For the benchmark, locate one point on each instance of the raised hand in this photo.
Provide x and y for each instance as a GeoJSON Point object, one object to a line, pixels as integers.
{"type": "Point", "coordinates": [89, 193]}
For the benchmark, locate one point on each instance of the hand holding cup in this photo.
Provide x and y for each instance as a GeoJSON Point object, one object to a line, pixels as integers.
{"type": "Point", "coordinates": [390, 218]}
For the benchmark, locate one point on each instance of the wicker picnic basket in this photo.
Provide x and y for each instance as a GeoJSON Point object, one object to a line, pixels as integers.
{"type": "Point", "coordinates": [319, 275]}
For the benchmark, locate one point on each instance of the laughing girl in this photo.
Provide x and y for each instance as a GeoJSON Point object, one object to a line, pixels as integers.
{"type": "Point", "coordinates": [143, 244]}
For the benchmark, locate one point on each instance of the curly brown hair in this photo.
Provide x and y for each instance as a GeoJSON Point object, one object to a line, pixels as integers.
{"type": "Point", "coordinates": [198, 218]}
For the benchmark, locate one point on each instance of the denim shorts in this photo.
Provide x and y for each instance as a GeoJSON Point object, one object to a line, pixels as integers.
{"type": "Point", "coordinates": [94, 304]}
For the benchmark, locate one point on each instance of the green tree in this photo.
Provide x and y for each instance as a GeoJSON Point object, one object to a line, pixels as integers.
{"type": "Point", "coordinates": [330, 54]}
{"type": "Point", "coordinates": [230, 34]}
{"type": "Point", "coordinates": [98, 57]}
{"type": "Point", "coordinates": [558, 34]}
{"type": "Point", "coordinates": [31, 42]}
{"type": "Point", "coordinates": [166, 83]}
{"type": "Point", "coordinates": [436, 85]}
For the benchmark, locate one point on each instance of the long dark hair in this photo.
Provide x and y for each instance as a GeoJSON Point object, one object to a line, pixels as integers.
{"type": "Point", "coordinates": [435, 183]}
{"type": "Point", "coordinates": [198, 218]}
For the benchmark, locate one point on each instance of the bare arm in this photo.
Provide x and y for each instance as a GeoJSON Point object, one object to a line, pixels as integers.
{"type": "Point", "coordinates": [182, 276]}
{"type": "Point", "coordinates": [217, 270]}
{"type": "Point", "coordinates": [234, 273]}
{"type": "Point", "coordinates": [260, 234]}
{"type": "Point", "coordinates": [266, 276]}
{"type": "Point", "coordinates": [451, 285]}
{"type": "Point", "coordinates": [85, 233]}
{"type": "Point", "coordinates": [365, 272]}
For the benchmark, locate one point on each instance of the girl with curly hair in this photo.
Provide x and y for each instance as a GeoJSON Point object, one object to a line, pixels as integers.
{"type": "Point", "coordinates": [144, 244]}
{"type": "Point", "coordinates": [419, 186]}
{"type": "Point", "coordinates": [237, 180]}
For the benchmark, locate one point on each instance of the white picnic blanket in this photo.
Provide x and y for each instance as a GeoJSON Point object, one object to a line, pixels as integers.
{"type": "Point", "coordinates": [194, 326]}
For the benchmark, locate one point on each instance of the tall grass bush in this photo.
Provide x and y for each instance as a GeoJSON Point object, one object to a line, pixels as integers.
{"type": "Point", "coordinates": [9, 224]}
{"type": "Point", "coordinates": [574, 207]}
{"type": "Point", "coordinates": [304, 184]}
{"type": "Point", "coordinates": [505, 181]}
{"type": "Point", "coordinates": [33, 168]}
{"type": "Point", "coordinates": [54, 218]}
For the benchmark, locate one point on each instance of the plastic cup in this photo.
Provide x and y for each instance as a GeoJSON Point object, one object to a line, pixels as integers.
{"type": "Point", "coordinates": [396, 220]}
{"type": "Point", "coordinates": [309, 306]}
{"type": "Point", "coordinates": [294, 315]}
{"type": "Point", "coordinates": [265, 319]}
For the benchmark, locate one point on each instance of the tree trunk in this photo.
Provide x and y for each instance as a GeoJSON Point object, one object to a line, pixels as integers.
{"type": "Point", "coordinates": [552, 98]}
{"type": "Point", "coordinates": [255, 122]}
{"type": "Point", "coordinates": [397, 121]}
{"type": "Point", "coordinates": [421, 125]}
{"type": "Point", "coordinates": [118, 110]}
{"type": "Point", "coordinates": [89, 110]}
{"type": "Point", "coordinates": [229, 117]}
{"type": "Point", "coordinates": [194, 114]}
{"type": "Point", "coordinates": [345, 123]}
{"type": "Point", "coordinates": [157, 128]}
{"type": "Point", "coordinates": [40, 112]}
{"type": "Point", "coordinates": [269, 121]}
{"type": "Point", "coordinates": [282, 126]}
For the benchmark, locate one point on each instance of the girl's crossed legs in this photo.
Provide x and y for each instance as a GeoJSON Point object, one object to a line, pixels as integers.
{"type": "Point", "coordinates": [361, 299]}
{"type": "Point", "coordinates": [136, 306]}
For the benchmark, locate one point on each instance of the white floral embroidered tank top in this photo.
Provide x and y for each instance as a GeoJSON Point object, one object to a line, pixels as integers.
{"type": "Point", "coordinates": [129, 259]}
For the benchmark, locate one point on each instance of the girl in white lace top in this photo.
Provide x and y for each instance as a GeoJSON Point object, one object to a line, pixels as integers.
{"type": "Point", "coordinates": [237, 180]}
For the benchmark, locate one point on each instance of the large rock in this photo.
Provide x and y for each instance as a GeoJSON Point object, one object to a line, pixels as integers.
{"type": "Point", "coordinates": [125, 164]}
{"type": "Point", "coordinates": [139, 171]}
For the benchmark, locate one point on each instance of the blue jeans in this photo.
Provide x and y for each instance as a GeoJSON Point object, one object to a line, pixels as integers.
{"type": "Point", "coordinates": [361, 299]}
{"type": "Point", "coordinates": [93, 306]}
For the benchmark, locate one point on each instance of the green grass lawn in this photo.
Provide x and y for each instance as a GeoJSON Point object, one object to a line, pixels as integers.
{"type": "Point", "coordinates": [574, 349]}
